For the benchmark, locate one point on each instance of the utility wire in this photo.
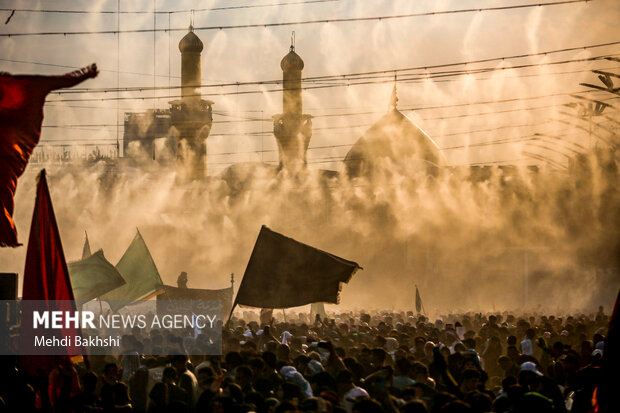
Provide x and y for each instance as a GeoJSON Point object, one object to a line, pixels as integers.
{"type": "Point", "coordinates": [389, 72]}
{"type": "Point", "coordinates": [245, 6]}
{"type": "Point", "coordinates": [260, 91]}
{"type": "Point", "coordinates": [342, 77]}
{"type": "Point", "coordinates": [335, 115]}
{"type": "Point", "coordinates": [77, 67]}
{"type": "Point", "coordinates": [301, 22]}
{"type": "Point", "coordinates": [404, 109]}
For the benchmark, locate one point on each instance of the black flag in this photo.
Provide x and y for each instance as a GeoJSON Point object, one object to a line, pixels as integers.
{"type": "Point", "coordinates": [285, 273]}
{"type": "Point", "coordinates": [418, 300]}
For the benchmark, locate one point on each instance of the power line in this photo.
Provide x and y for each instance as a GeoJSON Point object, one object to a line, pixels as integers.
{"type": "Point", "coordinates": [521, 76]}
{"type": "Point", "coordinates": [459, 133]}
{"type": "Point", "coordinates": [335, 115]}
{"type": "Point", "coordinates": [245, 6]}
{"type": "Point", "coordinates": [77, 67]}
{"type": "Point", "coordinates": [261, 91]}
{"type": "Point", "coordinates": [301, 22]}
{"type": "Point", "coordinates": [338, 159]}
{"type": "Point", "coordinates": [492, 59]}
{"type": "Point", "coordinates": [347, 76]}
{"type": "Point", "coordinates": [405, 109]}
{"type": "Point", "coordinates": [390, 72]}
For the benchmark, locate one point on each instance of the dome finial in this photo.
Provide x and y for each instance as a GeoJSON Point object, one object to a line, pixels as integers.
{"type": "Point", "coordinates": [191, 20]}
{"type": "Point", "coordinates": [292, 61]}
{"type": "Point", "coordinates": [394, 98]}
{"type": "Point", "coordinates": [190, 42]}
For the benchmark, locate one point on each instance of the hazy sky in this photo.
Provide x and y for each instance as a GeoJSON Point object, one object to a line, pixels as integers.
{"type": "Point", "coordinates": [239, 55]}
{"type": "Point", "coordinates": [182, 236]}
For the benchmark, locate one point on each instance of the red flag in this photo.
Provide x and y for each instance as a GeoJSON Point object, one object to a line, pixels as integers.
{"type": "Point", "coordinates": [46, 277]}
{"type": "Point", "coordinates": [21, 115]}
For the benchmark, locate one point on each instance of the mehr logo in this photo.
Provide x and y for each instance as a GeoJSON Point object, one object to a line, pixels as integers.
{"type": "Point", "coordinates": [86, 319]}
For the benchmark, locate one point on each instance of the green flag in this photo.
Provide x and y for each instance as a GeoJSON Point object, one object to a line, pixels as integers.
{"type": "Point", "coordinates": [139, 271]}
{"type": "Point", "coordinates": [93, 276]}
{"type": "Point", "coordinates": [86, 249]}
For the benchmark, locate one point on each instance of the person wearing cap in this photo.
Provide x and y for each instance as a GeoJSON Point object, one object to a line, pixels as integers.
{"type": "Point", "coordinates": [529, 375]}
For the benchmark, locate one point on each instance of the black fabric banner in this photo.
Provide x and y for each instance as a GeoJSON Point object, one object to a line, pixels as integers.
{"type": "Point", "coordinates": [225, 295]}
{"type": "Point", "coordinates": [285, 273]}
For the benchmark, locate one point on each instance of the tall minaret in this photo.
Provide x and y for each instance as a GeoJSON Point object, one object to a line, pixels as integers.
{"type": "Point", "coordinates": [190, 46]}
{"type": "Point", "coordinates": [192, 116]}
{"type": "Point", "coordinates": [292, 128]}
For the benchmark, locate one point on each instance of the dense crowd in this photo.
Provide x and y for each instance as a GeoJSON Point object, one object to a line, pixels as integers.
{"type": "Point", "coordinates": [348, 362]}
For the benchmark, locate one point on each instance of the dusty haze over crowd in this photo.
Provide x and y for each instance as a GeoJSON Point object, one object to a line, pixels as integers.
{"type": "Point", "coordinates": [468, 247]}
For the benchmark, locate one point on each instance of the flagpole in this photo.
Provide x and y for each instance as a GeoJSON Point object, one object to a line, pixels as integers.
{"type": "Point", "coordinates": [418, 295]}
{"type": "Point", "coordinates": [231, 312]}
{"type": "Point", "coordinates": [421, 301]}
{"type": "Point", "coordinates": [232, 286]}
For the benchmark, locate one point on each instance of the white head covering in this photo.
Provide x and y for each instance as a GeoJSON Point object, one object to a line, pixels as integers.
{"type": "Point", "coordinates": [315, 367]}
{"type": "Point", "coordinates": [291, 374]}
{"type": "Point", "coordinates": [286, 370]}
{"type": "Point", "coordinates": [285, 337]}
{"type": "Point", "coordinates": [530, 366]}
{"type": "Point", "coordinates": [349, 398]}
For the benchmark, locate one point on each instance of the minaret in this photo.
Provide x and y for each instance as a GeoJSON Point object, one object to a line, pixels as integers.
{"type": "Point", "coordinates": [190, 46]}
{"type": "Point", "coordinates": [292, 128]}
{"type": "Point", "coordinates": [191, 116]}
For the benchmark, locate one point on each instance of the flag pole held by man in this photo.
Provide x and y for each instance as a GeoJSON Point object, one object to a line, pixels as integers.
{"type": "Point", "coordinates": [21, 115]}
{"type": "Point", "coordinates": [283, 273]}
{"type": "Point", "coordinates": [46, 277]}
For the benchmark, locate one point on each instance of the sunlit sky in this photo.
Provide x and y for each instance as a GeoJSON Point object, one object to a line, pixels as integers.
{"type": "Point", "coordinates": [251, 54]}
{"type": "Point", "coordinates": [465, 113]}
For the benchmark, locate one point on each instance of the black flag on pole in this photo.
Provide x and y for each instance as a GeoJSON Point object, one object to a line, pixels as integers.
{"type": "Point", "coordinates": [285, 273]}
{"type": "Point", "coordinates": [418, 300]}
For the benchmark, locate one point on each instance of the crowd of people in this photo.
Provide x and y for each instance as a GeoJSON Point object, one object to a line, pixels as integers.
{"type": "Point", "coordinates": [348, 362]}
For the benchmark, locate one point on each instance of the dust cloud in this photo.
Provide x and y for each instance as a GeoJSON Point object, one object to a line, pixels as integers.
{"type": "Point", "coordinates": [540, 232]}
